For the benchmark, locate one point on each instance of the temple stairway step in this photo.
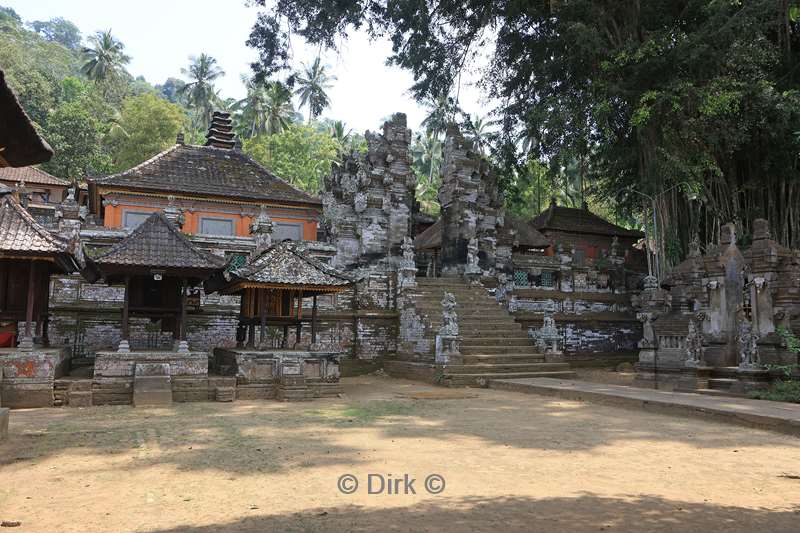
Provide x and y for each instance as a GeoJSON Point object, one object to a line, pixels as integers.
{"type": "Point", "coordinates": [721, 383]}
{"type": "Point", "coordinates": [495, 350]}
{"type": "Point", "coordinates": [470, 342]}
{"type": "Point", "coordinates": [502, 358]}
{"type": "Point", "coordinates": [477, 380]}
{"type": "Point", "coordinates": [505, 368]}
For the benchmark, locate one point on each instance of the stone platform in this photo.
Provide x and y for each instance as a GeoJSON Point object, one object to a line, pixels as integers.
{"type": "Point", "coordinates": [776, 416]}
{"type": "Point", "coordinates": [3, 423]}
{"type": "Point", "coordinates": [287, 375]}
{"type": "Point", "coordinates": [27, 377]}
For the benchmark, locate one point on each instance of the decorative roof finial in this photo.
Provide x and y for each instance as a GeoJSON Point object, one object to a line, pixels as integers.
{"type": "Point", "coordinates": [172, 212]}
{"type": "Point", "coordinates": [261, 230]}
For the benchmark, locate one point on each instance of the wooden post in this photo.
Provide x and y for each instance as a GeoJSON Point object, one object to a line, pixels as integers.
{"type": "Point", "coordinates": [125, 309]}
{"type": "Point", "coordinates": [182, 327]}
{"type": "Point", "coordinates": [314, 320]}
{"type": "Point", "coordinates": [262, 295]}
{"type": "Point", "coordinates": [30, 302]}
{"type": "Point", "coordinates": [299, 316]}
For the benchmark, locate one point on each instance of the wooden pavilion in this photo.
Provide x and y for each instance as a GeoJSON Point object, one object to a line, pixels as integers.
{"type": "Point", "coordinates": [156, 263]}
{"type": "Point", "coordinates": [272, 287]}
{"type": "Point", "coordinates": [29, 254]}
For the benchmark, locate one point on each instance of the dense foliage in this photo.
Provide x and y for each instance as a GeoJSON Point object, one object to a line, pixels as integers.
{"type": "Point", "coordinates": [99, 119]}
{"type": "Point", "coordinates": [665, 97]}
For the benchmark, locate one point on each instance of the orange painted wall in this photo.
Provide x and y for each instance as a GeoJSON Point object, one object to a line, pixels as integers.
{"type": "Point", "coordinates": [113, 218]}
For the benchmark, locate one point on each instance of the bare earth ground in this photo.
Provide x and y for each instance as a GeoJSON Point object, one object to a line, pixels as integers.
{"type": "Point", "coordinates": [512, 462]}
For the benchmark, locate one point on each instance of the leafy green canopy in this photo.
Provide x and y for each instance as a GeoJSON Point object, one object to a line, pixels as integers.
{"type": "Point", "coordinates": [700, 95]}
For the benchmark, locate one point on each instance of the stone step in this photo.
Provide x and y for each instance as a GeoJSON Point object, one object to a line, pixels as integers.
{"type": "Point", "coordinates": [721, 383]}
{"type": "Point", "coordinates": [468, 334]}
{"type": "Point", "coordinates": [720, 393]}
{"type": "Point", "coordinates": [479, 380]}
{"type": "Point", "coordinates": [495, 341]}
{"type": "Point", "coordinates": [499, 350]}
{"type": "Point", "coordinates": [507, 368]}
{"type": "Point", "coordinates": [468, 312]}
{"type": "Point", "coordinates": [502, 359]}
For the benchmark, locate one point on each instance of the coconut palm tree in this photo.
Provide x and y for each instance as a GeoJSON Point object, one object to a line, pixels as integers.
{"type": "Point", "coordinates": [278, 111]}
{"type": "Point", "coordinates": [441, 112]}
{"type": "Point", "coordinates": [313, 81]}
{"type": "Point", "coordinates": [199, 90]}
{"type": "Point", "coordinates": [478, 132]}
{"type": "Point", "coordinates": [105, 58]}
{"type": "Point", "coordinates": [427, 154]}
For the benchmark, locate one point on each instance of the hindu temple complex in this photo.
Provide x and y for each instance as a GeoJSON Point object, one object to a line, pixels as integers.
{"type": "Point", "coordinates": [199, 275]}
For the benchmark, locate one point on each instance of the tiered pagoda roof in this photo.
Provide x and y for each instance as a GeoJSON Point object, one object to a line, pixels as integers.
{"type": "Point", "coordinates": [216, 170]}
{"type": "Point", "coordinates": [286, 266]}
{"type": "Point", "coordinates": [20, 144]}
{"type": "Point", "coordinates": [156, 244]}
{"type": "Point", "coordinates": [21, 236]}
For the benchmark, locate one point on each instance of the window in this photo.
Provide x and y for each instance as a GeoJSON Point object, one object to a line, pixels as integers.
{"type": "Point", "coordinates": [131, 219]}
{"type": "Point", "coordinates": [287, 230]}
{"type": "Point", "coordinates": [216, 226]}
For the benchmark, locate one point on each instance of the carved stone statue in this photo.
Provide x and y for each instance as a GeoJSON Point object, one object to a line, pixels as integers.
{"type": "Point", "coordinates": [408, 250]}
{"type": "Point", "coordinates": [449, 316]}
{"type": "Point", "coordinates": [472, 255]}
{"type": "Point", "coordinates": [694, 345]}
{"type": "Point", "coordinates": [648, 333]}
{"type": "Point", "coordinates": [748, 345]}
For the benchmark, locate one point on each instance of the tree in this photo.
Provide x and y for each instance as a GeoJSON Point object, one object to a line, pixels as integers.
{"type": "Point", "coordinates": [663, 97]}
{"type": "Point", "coordinates": [59, 30]}
{"type": "Point", "coordinates": [299, 154]}
{"type": "Point", "coordinates": [75, 136]}
{"type": "Point", "coordinates": [313, 81]}
{"type": "Point", "coordinates": [105, 58]}
{"type": "Point", "coordinates": [478, 132]}
{"type": "Point", "coordinates": [171, 89]}
{"type": "Point", "coordinates": [427, 161]}
{"type": "Point", "coordinates": [146, 126]}
{"type": "Point", "coordinates": [199, 90]}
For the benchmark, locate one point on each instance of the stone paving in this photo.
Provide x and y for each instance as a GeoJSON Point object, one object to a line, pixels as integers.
{"type": "Point", "coordinates": [776, 416]}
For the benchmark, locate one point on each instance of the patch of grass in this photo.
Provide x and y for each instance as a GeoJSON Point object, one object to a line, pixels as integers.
{"type": "Point", "coordinates": [782, 391]}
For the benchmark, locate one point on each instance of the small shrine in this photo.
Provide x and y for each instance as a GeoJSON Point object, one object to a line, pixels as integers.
{"type": "Point", "coordinates": [273, 285]}
{"type": "Point", "coordinates": [29, 254]}
{"type": "Point", "coordinates": [156, 264]}
{"type": "Point", "coordinates": [719, 319]}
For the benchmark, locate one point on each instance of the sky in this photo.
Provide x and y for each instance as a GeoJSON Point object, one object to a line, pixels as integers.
{"type": "Point", "coordinates": [160, 35]}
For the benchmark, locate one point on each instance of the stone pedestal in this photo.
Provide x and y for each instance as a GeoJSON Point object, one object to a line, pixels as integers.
{"type": "Point", "coordinates": [554, 357]}
{"type": "Point", "coordinates": [28, 375]}
{"type": "Point", "coordinates": [4, 415]}
{"type": "Point", "coordinates": [291, 382]}
{"type": "Point", "coordinates": [750, 379]}
{"type": "Point", "coordinates": [152, 385]}
{"type": "Point", "coordinates": [447, 350]}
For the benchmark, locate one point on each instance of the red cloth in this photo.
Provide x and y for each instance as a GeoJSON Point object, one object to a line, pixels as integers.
{"type": "Point", "coordinates": [6, 340]}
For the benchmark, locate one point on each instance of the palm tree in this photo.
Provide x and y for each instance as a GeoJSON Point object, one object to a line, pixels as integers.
{"type": "Point", "coordinates": [441, 112]}
{"type": "Point", "coordinates": [313, 82]}
{"type": "Point", "coordinates": [199, 91]}
{"type": "Point", "coordinates": [105, 58]}
{"type": "Point", "coordinates": [427, 154]}
{"type": "Point", "coordinates": [478, 132]}
{"type": "Point", "coordinates": [278, 109]}
{"type": "Point", "coordinates": [341, 134]}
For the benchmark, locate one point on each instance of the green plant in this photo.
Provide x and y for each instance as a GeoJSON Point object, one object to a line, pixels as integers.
{"type": "Point", "coordinates": [781, 391]}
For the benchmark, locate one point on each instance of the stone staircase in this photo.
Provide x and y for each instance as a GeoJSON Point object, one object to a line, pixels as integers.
{"type": "Point", "coordinates": [493, 344]}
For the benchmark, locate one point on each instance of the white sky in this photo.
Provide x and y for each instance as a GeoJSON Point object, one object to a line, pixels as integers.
{"type": "Point", "coordinates": [160, 35]}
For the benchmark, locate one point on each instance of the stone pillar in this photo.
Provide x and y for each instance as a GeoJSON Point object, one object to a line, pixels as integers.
{"type": "Point", "coordinates": [261, 230]}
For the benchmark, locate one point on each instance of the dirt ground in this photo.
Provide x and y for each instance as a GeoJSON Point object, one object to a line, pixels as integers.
{"type": "Point", "coordinates": [511, 462]}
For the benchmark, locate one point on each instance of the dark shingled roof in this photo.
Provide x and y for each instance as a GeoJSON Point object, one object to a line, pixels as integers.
{"type": "Point", "coordinates": [157, 243]}
{"type": "Point", "coordinates": [285, 264]}
{"type": "Point", "coordinates": [524, 234]}
{"type": "Point", "coordinates": [576, 220]}
{"type": "Point", "coordinates": [31, 175]}
{"type": "Point", "coordinates": [20, 234]}
{"type": "Point", "coordinates": [207, 170]}
{"type": "Point", "coordinates": [20, 144]}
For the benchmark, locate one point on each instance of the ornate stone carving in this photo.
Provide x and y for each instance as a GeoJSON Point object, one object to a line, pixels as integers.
{"type": "Point", "coordinates": [749, 357]}
{"type": "Point", "coordinates": [547, 337]}
{"type": "Point", "coordinates": [694, 344]}
{"type": "Point", "coordinates": [447, 341]}
{"type": "Point", "coordinates": [648, 334]}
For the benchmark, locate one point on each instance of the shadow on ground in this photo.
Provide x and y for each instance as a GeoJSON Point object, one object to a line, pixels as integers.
{"type": "Point", "coordinates": [584, 513]}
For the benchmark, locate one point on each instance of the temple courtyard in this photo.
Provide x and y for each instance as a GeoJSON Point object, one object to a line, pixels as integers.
{"type": "Point", "coordinates": [509, 460]}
